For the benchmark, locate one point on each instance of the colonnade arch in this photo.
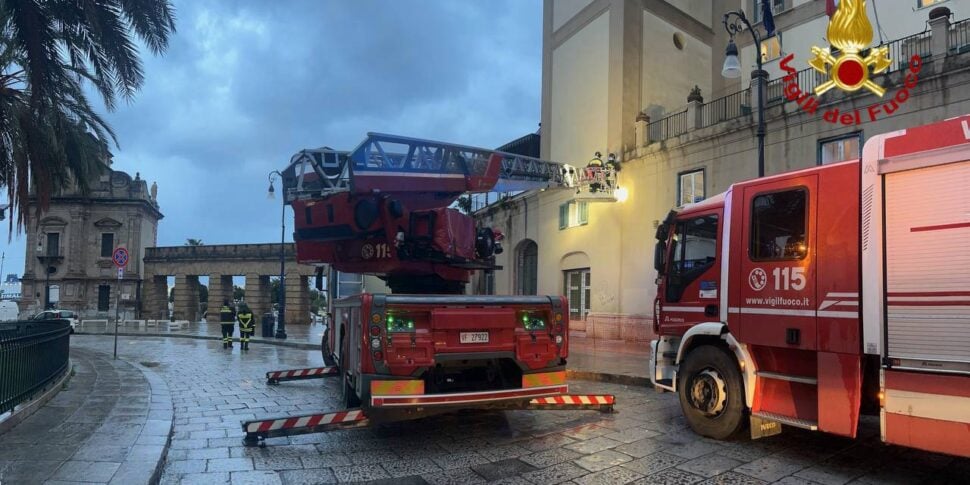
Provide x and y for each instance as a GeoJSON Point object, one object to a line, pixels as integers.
{"type": "Point", "coordinates": [258, 263]}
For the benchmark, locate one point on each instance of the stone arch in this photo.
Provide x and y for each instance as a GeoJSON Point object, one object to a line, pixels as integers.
{"type": "Point", "coordinates": [574, 260]}
{"type": "Point", "coordinates": [527, 267]}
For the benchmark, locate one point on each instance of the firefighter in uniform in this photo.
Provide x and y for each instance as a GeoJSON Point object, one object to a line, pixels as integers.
{"type": "Point", "coordinates": [227, 318]}
{"type": "Point", "coordinates": [247, 325]}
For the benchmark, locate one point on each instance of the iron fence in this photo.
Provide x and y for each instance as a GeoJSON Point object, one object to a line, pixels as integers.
{"type": "Point", "coordinates": [726, 108]}
{"type": "Point", "coordinates": [32, 355]}
{"type": "Point", "coordinates": [669, 126]}
{"type": "Point", "coordinates": [959, 37]}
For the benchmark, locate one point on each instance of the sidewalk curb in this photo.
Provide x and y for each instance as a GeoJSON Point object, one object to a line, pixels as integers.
{"type": "Point", "coordinates": [623, 379]}
{"type": "Point", "coordinates": [279, 343]}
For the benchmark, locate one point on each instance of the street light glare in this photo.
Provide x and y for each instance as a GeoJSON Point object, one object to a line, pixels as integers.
{"type": "Point", "coordinates": [622, 194]}
{"type": "Point", "coordinates": [732, 65]}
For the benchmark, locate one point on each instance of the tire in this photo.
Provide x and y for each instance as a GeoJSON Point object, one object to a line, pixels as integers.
{"type": "Point", "coordinates": [711, 393]}
{"type": "Point", "coordinates": [325, 350]}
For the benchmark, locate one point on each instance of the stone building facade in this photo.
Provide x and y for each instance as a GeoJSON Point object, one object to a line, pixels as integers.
{"type": "Point", "coordinates": [648, 56]}
{"type": "Point", "coordinates": [74, 240]}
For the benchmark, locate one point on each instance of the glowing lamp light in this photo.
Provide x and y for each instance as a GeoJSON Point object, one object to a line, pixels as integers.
{"type": "Point", "coordinates": [621, 194]}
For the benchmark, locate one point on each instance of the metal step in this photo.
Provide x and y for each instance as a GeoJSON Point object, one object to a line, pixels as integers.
{"type": "Point", "coordinates": [790, 421]}
{"type": "Point", "coordinates": [787, 377]}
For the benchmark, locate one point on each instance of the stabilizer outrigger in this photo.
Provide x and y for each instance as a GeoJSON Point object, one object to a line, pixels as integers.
{"type": "Point", "coordinates": [399, 407]}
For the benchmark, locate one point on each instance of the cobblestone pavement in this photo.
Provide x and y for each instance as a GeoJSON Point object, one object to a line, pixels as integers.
{"type": "Point", "coordinates": [646, 441]}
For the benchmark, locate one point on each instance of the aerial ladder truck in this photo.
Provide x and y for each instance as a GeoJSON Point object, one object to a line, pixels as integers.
{"type": "Point", "coordinates": [384, 209]}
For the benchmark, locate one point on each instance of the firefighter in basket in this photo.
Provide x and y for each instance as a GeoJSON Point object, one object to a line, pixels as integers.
{"type": "Point", "coordinates": [247, 325]}
{"type": "Point", "coordinates": [227, 318]}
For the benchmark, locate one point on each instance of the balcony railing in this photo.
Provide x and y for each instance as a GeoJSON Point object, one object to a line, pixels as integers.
{"type": "Point", "coordinates": [669, 127]}
{"type": "Point", "coordinates": [32, 356]}
{"type": "Point", "coordinates": [726, 108]}
{"type": "Point", "coordinates": [902, 50]}
{"type": "Point", "coordinates": [739, 104]}
{"type": "Point", "coordinates": [959, 40]}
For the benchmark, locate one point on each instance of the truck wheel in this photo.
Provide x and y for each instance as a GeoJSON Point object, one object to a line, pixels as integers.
{"type": "Point", "coordinates": [326, 351]}
{"type": "Point", "coordinates": [711, 392]}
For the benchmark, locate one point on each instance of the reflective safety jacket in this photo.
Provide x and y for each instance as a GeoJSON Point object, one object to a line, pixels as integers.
{"type": "Point", "coordinates": [246, 321]}
{"type": "Point", "coordinates": [226, 315]}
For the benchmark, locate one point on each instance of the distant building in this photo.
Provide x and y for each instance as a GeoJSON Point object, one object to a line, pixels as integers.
{"type": "Point", "coordinates": [74, 241]}
{"type": "Point", "coordinates": [12, 278]}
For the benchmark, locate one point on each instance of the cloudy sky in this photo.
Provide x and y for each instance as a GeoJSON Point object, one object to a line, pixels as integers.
{"type": "Point", "coordinates": [247, 83]}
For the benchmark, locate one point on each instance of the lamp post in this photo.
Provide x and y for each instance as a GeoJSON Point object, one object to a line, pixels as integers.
{"type": "Point", "coordinates": [46, 260]}
{"type": "Point", "coordinates": [281, 324]}
{"type": "Point", "coordinates": [734, 23]}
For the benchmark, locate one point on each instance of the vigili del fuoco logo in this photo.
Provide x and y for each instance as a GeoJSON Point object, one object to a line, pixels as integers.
{"type": "Point", "coordinates": [850, 63]}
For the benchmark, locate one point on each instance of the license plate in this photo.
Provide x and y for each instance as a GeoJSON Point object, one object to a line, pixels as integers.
{"type": "Point", "coordinates": [474, 337]}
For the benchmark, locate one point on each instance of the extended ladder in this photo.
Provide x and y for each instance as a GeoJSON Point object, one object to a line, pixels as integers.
{"type": "Point", "coordinates": [383, 158]}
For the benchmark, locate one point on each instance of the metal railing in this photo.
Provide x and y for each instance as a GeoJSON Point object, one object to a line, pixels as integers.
{"type": "Point", "coordinates": [726, 108]}
{"type": "Point", "coordinates": [959, 37]}
{"type": "Point", "coordinates": [669, 126]}
{"type": "Point", "coordinates": [807, 80]}
{"type": "Point", "coordinates": [902, 50]}
{"type": "Point", "coordinates": [32, 355]}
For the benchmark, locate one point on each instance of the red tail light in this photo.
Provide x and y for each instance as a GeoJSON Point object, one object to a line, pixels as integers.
{"type": "Point", "coordinates": [378, 355]}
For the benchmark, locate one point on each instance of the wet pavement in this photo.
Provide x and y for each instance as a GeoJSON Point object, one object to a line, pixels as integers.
{"type": "Point", "coordinates": [109, 424]}
{"type": "Point", "coordinates": [646, 441]}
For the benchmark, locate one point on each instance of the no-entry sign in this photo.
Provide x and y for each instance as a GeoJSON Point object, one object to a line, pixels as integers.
{"type": "Point", "coordinates": [120, 257]}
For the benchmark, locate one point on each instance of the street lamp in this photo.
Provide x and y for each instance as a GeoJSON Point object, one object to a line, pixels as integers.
{"type": "Point", "coordinates": [734, 23]}
{"type": "Point", "coordinates": [46, 260]}
{"type": "Point", "coordinates": [281, 324]}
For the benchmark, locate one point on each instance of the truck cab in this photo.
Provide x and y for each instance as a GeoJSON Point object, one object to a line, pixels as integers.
{"type": "Point", "coordinates": [806, 298]}
{"type": "Point", "coordinates": [758, 289]}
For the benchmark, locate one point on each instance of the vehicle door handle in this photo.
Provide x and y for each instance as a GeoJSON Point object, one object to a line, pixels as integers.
{"type": "Point", "coordinates": [710, 310]}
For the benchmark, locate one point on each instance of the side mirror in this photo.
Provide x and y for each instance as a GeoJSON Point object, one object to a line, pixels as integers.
{"type": "Point", "coordinates": [659, 251]}
{"type": "Point", "coordinates": [319, 279]}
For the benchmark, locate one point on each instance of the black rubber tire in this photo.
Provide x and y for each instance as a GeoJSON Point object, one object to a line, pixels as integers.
{"type": "Point", "coordinates": [328, 359]}
{"type": "Point", "coordinates": [732, 419]}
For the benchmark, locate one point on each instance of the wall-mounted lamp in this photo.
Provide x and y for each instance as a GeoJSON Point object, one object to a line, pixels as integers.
{"type": "Point", "coordinates": [621, 194]}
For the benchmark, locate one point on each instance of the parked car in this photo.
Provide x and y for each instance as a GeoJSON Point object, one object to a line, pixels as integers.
{"type": "Point", "coordinates": [56, 314]}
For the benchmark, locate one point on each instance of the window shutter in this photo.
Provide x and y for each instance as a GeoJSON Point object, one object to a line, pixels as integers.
{"type": "Point", "coordinates": [563, 216]}
{"type": "Point", "coordinates": [583, 213]}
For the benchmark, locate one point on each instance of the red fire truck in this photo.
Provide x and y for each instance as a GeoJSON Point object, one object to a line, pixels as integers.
{"type": "Point", "coordinates": [384, 209]}
{"type": "Point", "coordinates": [809, 297]}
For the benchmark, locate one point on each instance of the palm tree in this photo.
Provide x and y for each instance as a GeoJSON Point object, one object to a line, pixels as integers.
{"type": "Point", "coordinates": [193, 242]}
{"type": "Point", "coordinates": [49, 133]}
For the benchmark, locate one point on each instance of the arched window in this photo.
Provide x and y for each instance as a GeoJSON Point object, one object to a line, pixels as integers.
{"type": "Point", "coordinates": [527, 267]}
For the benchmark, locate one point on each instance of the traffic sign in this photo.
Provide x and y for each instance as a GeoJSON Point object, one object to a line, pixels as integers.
{"type": "Point", "coordinates": [120, 257]}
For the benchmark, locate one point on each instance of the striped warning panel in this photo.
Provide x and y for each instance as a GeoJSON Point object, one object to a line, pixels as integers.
{"type": "Point", "coordinates": [575, 399]}
{"type": "Point", "coordinates": [302, 373]}
{"type": "Point", "coordinates": [308, 421]}
{"type": "Point", "coordinates": [543, 379]}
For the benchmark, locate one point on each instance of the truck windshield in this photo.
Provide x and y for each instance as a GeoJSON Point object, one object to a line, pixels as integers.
{"type": "Point", "coordinates": [693, 250]}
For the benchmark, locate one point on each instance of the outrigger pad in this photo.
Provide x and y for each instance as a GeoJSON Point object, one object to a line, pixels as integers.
{"type": "Point", "coordinates": [275, 377]}
{"type": "Point", "coordinates": [601, 402]}
{"type": "Point", "coordinates": [260, 429]}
